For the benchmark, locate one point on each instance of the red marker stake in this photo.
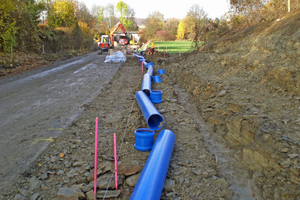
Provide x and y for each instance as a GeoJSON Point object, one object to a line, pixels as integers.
{"type": "Point", "coordinates": [96, 152]}
{"type": "Point", "coordinates": [116, 162]}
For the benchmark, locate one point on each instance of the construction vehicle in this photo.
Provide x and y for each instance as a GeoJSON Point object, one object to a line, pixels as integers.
{"type": "Point", "coordinates": [123, 40]}
{"type": "Point", "coordinates": [128, 40]}
{"type": "Point", "coordinates": [104, 44]}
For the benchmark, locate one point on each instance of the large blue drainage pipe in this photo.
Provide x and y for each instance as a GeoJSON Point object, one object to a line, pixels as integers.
{"type": "Point", "coordinates": [150, 70]}
{"type": "Point", "coordinates": [146, 84]}
{"type": "Point", "coordinates": [149, 64]}
{"type": "Point", "coordinates": [153, 118]}
{"type": "Point", "coordinates": [152, 178]}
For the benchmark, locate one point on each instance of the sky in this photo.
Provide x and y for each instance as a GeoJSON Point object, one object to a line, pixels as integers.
{"type": "Point", "coordinates": [170, 9]}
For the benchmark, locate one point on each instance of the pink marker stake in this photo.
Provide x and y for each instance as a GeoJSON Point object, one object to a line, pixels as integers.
{"type": "Point", "coordinates": [96, 152]}
{"type": "Point", "coordinates": [116, 165]}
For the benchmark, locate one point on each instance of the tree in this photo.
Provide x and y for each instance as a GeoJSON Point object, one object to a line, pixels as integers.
{"type": "Point", "coordinates": [8, 27]}
{"type": "Point", "coordinates": [180, 31]}
{"type": "Point", "coordinates": [171, 26]}
{"type": "Point", "coordinates": [196, 22]}
{"type": "Point", "coordinates": [154, 23]}
{"type": "Point", "coordinates": [122, 8]}
{"type": "Point", "coordinates": [61, 14]}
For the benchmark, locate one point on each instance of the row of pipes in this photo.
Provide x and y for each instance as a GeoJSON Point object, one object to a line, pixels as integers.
{"type": "Point", "coordinates": [152, 178]}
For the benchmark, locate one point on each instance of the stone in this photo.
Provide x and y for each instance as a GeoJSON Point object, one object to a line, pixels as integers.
{"type": "Point", "coordinates": [20, 197]}
{"type": "Point", "coordinates": [88, 187]}
{"type": "Point", "coordinates": [162, 111]}
{"type": "Point", "coordinates": [78, 164]}
{"type": "Point", "coordinates": [169, 184]}
{"type": "Point", "coordinates": [286, 163]}
{"type": "Point", "coordinates": [294, 155]}
{"type": "Point", "coordinates": [53, 159]}
{"type": "Point", "coordinates": [222, 93]}
{"type": "Point", "coordinates": [90, 195]}
{"type": "Point", "coordinates": [132, 180]}
{"type": "Point", "coordinates": [196, 171]}
{"type": "Point", "coordinates": [71, 174]}
{"type": "Point", "coordinates": [25, 192]}
{"type": "Point", "coordinates": [44, 176]}
{"type": "Point", "coordinates": [34, 184]}
{"type": "Point", "coordinates": [60, 172]}
{"type": "Point", "coordinates": [109, 193]}
{"type": "Point", "coordinates": [69, 194]}
{"type": "Point", "coordinates": [216, 121]}
{"type": "Point", "coordinates": [234, 107]}
{"type": "Point", "coordinates": [128, 169]}
{"type": "Point", "coordinates": [34, 196]}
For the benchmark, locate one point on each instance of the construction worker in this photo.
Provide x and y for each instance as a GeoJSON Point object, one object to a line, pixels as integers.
{"type": "Point", "coordinates": [152, 47]}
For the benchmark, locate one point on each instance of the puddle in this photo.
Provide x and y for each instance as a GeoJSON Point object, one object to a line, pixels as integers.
{"type": "Point", "coordinates": [229, 167]}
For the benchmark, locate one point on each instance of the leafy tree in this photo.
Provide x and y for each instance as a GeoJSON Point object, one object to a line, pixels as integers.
{"type": "Point", "coordinates": [180, 31]}
{"type": "Point", "coordinates": [61, 14]}
{"type": "Point", "coordinates": [171, 26]}
{"type": "Point", "coordinates": [110, 13]}
{"type": "Point", "coordinates": [154, 23]}
{"type": "Point", "coordinates": [8, 27]}
{"type": "Point", "coordinates": [122, 8]}
{"type": "Point", "coordinates": [196, 22]}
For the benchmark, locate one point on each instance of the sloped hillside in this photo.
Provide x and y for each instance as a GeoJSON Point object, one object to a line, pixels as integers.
{"type": "Point", "coordinates": [246, 86]}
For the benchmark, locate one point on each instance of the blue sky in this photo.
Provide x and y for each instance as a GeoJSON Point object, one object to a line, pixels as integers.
{"type": "Point", "coordinates": [170, 9]}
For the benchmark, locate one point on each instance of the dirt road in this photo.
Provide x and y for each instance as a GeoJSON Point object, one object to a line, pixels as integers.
{"type": "Point", "coordinates": [38, 106]}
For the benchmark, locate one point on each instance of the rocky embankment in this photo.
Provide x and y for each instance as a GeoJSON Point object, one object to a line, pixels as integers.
{"type": "Point", "coordinates": [247, 87]}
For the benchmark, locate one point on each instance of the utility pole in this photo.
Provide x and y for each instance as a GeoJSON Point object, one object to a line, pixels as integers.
{"type": "Point", "coordinates": [289, 6]}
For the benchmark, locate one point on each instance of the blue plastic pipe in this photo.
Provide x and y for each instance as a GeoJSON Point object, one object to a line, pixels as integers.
{"type": "Point", "coordinates": [150, 70]}
{"type": "Point", "coordinates": [149, 64]}
{"type": "Point", "coordinates": [152, 178]}
{"type": "Point", "coordinates": [146, 84]}
{"type": "Point", "coordinates": [153, 118]}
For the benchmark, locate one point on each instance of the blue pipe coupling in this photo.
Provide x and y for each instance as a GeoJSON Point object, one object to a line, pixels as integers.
{"type": "Point", "coordinates": [146, 84]}
{"type": "Point", "coordinates": [153, 118]}
{"type": "Point", "coordinates": [152, 178]}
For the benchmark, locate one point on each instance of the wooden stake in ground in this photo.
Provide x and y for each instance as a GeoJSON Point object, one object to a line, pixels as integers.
{"type": "Point", "coordinates": [96, 152]}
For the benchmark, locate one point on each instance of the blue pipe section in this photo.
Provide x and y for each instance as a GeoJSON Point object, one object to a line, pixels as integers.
{"type": "Point", "coordinates": [146, 84]}
{"type": "Point", "coordinates": [150, 70]}
{"type": "Point", "coordinates": [152, 178]}
{"type": "Point", "coordinates": [153, 118]}
{"type": "Point", "coordinates": [149, 64]}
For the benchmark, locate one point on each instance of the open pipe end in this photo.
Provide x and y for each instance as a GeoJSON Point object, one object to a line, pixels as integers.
{"type": "Point", "coordinates": [155, 122]}
{"type": "Point", "coordinates": [147, 92]}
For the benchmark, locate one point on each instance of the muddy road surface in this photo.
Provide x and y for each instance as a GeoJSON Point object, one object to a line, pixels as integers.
{"type": "Point", "coordinates": [37, 106]}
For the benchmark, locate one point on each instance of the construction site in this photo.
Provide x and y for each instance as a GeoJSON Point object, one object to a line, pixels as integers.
{"type": "Point", "coordinates": [228, 113]}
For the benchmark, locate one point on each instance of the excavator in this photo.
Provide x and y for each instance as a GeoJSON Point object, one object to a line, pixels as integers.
{"type": "Point", "coordinates": [107, 42]}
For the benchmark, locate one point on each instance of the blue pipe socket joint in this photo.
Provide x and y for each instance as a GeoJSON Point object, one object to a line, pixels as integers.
{"type": "Point", "coordinates": [153, 118]}
{"type": "Point", "coordinates": [153, 176]}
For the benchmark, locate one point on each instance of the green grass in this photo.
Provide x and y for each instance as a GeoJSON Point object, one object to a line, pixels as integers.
{"type": "Point", "coordinates": [173, 46]}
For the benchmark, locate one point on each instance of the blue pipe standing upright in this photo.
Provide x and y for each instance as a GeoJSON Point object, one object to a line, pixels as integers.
{"type": "Point", "coordinates": [146, 84]}
{"type": "Point", "coordinates": [152, 178]}
{"type": "Point", "coordinates": [153, 118]}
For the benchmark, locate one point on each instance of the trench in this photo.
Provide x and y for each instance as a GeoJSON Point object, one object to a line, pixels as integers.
{"type": "Point", "coordinates": [228, 162]}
